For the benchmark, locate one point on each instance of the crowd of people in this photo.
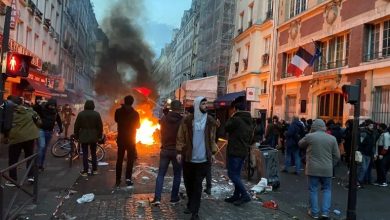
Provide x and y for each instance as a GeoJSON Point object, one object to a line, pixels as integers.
{"type": "Point", "coordinates": [188, 141]}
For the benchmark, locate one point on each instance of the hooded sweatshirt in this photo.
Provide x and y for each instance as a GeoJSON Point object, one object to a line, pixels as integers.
{"type": "Point", "coordinates": [198, 141]}
{"type": "Point", "coordinates": [322, 151]}
{"type": "Point", "coordinates": [48, 115]}
{"type": "Point", "coordinates": [128, 123]}
{"type": "Point", "coordinates": [23, 127]}
{"type": "Point", "coordinates": [240, 129]}
{"type": "Point", "coordinates": [169, 126]}
{"type": "Point", "coordinates": [88, 126]}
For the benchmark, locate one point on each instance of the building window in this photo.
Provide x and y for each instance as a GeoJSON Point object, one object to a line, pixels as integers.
{"type": "Point", "coordinates": [241, 23]}
{"type": "Point", "coordinates": [381, 107]}
{"type": "Point", "coordinates": [250, 15]}
{"type": "Point", "coordinates": [265, 58]}
{"type": "Point", "coordinates": [334, 53]}
{"type": "Point", "coordinates": [291, 103]}
{"type": "Point", "coordinates": [297, 7]}
{"type": "Point", "coordinates": [331, 106]}
{"type": "Point", "coordinates": [269, 9]}
{"type": "Point", "coordinates": [237, 63]}
{"type": "Point", "coordinates": [377, 41]}
{"type": "Point", "coordinates": [287, 57]}
{"type": "Point", "coordinates": [264, 87]}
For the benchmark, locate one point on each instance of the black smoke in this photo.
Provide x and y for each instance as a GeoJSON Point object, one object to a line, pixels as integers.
{"type": "Point", "coordinates": [127, 50]}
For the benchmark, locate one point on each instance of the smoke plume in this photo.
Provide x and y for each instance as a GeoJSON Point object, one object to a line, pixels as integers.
{"type": "Point", "coordinates": [127, 51]}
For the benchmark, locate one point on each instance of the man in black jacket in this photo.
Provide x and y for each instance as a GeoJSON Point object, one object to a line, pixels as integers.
{"type": "Point", "coordinates": [170, 124]}
{"type": "Point", "coordinates": [128, 122]}
{"type": "Point", "coordinates": [47, 111]}
{"type": "Point", "coordinates": [367, 148]}
{"type": "Point", "coordinates": [240, 129]}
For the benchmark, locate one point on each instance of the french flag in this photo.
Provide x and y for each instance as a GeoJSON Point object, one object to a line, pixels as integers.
{"type": "Point", "coordinates": [300, 61]}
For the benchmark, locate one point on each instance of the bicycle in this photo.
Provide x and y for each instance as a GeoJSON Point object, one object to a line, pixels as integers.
{"type": "Point", "coordinates": [63, 147]}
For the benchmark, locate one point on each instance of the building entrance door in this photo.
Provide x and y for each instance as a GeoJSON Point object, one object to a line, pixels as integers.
{"type": "Point", "coordinates": [331, 106]}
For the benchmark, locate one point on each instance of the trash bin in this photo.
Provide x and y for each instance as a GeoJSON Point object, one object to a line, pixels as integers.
{"type": "Point", "coordinates": [270, 165]}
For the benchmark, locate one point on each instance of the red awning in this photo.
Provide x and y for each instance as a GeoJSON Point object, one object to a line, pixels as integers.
{"type": "Point", "coordinates": [39, 88]}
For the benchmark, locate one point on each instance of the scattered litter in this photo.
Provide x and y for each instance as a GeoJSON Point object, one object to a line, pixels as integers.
{"type": "Point", "coordinates": [111, 170]}
{"type": "Point", "coordinates": [270, 204]}
{"type": "Point", "coordinates": [67, 197]}
{"type": "Point", "coordinates": [102, 163]}
{"type": "Point", "coordinates": [40, 214]}
{"type": "Point", "coordinates": [145, 178]}
{"type": "Point", "coordinates": [268, 188]}
{"type": "Point", "coordinates": [142, 203]}
{"type": "Point", "coordinates": [260, 186]}
{"type": "Point", "coordinates": [86, 198]}
{"type": "Point", "coordinates": [71, 192]}
{"type": "Point", "coordinates": [215, 181]}
{"type": "Point", "coordinates": [337, 212]}
{"type": "Point", "coordinates": [230, 183]}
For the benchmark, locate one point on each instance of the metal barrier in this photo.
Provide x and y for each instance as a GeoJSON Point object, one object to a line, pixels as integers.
{"type": "Point", "coordinates": [9, 213]}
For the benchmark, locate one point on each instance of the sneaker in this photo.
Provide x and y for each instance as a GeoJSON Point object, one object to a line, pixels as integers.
{"type": "Point", "coordinates": [175, 201]}
{"type": "Point", "coordinates": [383, 184]}
{"type": "Point", "coordinates": [315, 216]}
{"type": "Point", "coordinates": [242, 201]}
{"type": "Point", "coordinates": [83, 173]}
{"type": "Point", "coordinates": [95, 172]}
{"type": "Point", "coordinates": [324, 217]}
{"type": "Point", "coordinates": [129, 182]}
{"type": "Point", "coordinates": [207, 191]}
{"type": "Point", "coordinates": [10, 184]}
{"type": "Point", "coordinates": [155, 202]}
{"type": "Point", "coordinates": [31, 179]}
{"type": "Point", "coordinates": [231, 199]}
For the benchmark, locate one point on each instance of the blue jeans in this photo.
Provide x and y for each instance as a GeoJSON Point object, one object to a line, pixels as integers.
{"type": "Point", "coordinates": [166, 156]}
{"type": "Point", "coordinates": [234, 173]}
{"type": "Point", "coordinates": [326, 187]}
{"type": "Point", "coordinates": [364, 168]}
{"type": "Point", "coordinates": [43, 142]}
{"type": "Point", "coordinates": [292, 152]}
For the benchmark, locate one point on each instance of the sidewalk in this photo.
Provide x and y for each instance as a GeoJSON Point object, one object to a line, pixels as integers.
{"type": "Point", "coordinates": [54, 181]}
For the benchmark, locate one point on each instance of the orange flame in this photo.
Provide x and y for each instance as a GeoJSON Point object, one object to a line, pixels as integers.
{"type": "Point", "coordinates": [146, 134]}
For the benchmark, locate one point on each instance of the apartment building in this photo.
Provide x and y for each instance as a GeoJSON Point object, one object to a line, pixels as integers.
{"type": "Point", "coordinates": [250, 66]}
{"type": "Point", "coordinates": [354, 39]}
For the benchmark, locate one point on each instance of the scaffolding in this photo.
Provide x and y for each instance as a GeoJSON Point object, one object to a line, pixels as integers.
{"type": "Point", "coordinates": [216, 22]}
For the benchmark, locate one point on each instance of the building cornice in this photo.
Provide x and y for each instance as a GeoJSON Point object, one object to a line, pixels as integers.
{"type": "Point", "coordinates": [255, 27]}
{"type": "Point", "coordinates": [246, 75]}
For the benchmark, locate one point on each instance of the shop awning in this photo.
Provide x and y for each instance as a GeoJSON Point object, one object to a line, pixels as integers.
{"type": "Point", "coordinates": [226, 100]}
{"type": "Point", "coordinates": [39, 88]}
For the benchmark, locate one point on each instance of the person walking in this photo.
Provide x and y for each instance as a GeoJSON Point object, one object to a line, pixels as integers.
{"type": "Point", "coordinates": [88, 129]}
{"type": "Point", "coordinates": [48, 113]}
{"type": "Point", "coordinates": [128, 122]}
{"type": "Point", "coordinates": [240, 130]}
{"type": "Point", "coordinates": [67, 117]}
{"type": "Point", "coordinates": [195, 145]}
{"type": "Point", "coordinates": [382, 155]}
{"type": "Point", "coordinates": [322, 153]}
{"type": "Point", "coordinates": [169, 126]}
{"type": "Point", "coordinates": [367, 149]}
{"type": "Point", "coordinates": [294, 133]}
{"type": "Point", "coordinates": [22, 136]}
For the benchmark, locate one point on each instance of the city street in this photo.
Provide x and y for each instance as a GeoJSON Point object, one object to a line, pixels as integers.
{"type": "Point", "coordinates": [60, 187]}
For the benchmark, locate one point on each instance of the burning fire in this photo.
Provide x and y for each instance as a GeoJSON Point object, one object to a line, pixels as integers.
{"type": "Point", "coordinates": [148, 132]}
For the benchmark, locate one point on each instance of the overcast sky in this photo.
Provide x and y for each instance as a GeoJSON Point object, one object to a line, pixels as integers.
{"type": "Point", "coordinates": [161, 17]}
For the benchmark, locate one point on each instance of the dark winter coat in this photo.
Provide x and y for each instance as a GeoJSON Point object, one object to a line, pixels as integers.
{"type": "Point", "coordinates": [88, 127]}
{"type": "Point", "coordinates": [128, 122]}
{"type": "Point", "coordinates": [295, 132]}
{"type": "Point", "coordinates": [335, 131]}
{"type": "Point", "coordinates": [240, 129]}
{"type": "Point", "coordinates": [23, 125]}
{"type": "Point", "coordinates": [48, 116]}
{"type": "Point", "coordinates": [258, 133]}
{"type": "Point", "coordinates": [170, 124]}
{"type": "Point", "coordinates": [367, 142]}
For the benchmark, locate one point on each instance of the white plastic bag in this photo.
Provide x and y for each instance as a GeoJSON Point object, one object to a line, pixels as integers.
{"type": "Point", "coordinates": [86, 198]}
{"type": "Point", "coordinates": [358, 156]}
{"type": "Point", "coordinates": [260, 186]}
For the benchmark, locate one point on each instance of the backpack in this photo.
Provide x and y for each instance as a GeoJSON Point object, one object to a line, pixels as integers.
{"type": "Point", "coordinates": [6, 116]}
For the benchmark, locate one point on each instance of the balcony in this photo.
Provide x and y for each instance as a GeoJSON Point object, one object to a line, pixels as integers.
{"type": "Point", "coordinates": [330, 65]}
{"type": "Point", "coordinates": [376, 56]}
{"type": "Point", "coordinates": [38, 15]}
{"type": "Point", "coordinates": [237, 65]}
{"type": "Point", "coordinates": [47, 23]}
{"type": "Point", "coordinates": [250, 23]}
{"type": "Point", "coordinates": [52, 32]}
{"type": "Point", "coordinates": [265, 59]}
{"type": "Point", "coordinates": [31, 7]}
{"type": "Point", "coordinates": [286, 75]}
{"type": "Point", "coordinates": [245, 61]}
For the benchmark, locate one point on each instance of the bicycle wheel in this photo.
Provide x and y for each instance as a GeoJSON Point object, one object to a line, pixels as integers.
{"type": "Point", "coordinates": [61, 147]}
{"type": "Point", "coordinates": [100, 153]}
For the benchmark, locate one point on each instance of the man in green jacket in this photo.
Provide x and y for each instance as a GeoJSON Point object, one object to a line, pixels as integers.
{"type": "Point", "coordinates": [240, 129]}
{"type": "Point", "coordinates": [88, 129]}
{"type": "Point", "coordinates": [22, 135]}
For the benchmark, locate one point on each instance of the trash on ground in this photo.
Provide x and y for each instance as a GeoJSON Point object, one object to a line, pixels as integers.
{"type": "Point", "coordinates": [100, 163]}
{"type": "Point", "coordinates": [86, 198]}
{"type": "Point", "coordinates": [270, 204]}
{"type": "Point", "coordinates": [337, 212]}
{"type": "Point", "coordinates": [40, 214]}
{"type": "Point", "coordinates": [260, 187]}
{"type": "Point", "coordinates": [145, 178]}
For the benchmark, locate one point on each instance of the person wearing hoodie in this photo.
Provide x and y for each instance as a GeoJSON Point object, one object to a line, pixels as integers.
{"type": "Point", "coordinates": [240, 130]}
{"type": "Point", "coordinates": [128, 122]}
{"type": "Point", "coordinates": [169, 126]}
{"type": "Point", "coordinates": [88, 129]}
{"type": "Point", "coordinates": [47, 111]}
{"type": "Point", "coordinates": [22, 135]}
{"type": "Point", "coordinates": [294, 133]}
{"type": "Point", "coordinates": [196, 147]}
{"type": "Point", "coordinates": [322, 154]}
